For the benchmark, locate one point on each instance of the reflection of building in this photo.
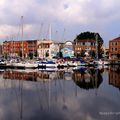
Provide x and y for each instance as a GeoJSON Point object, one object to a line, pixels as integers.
{"type": "Point", "coordinates": [45, 76]}
{"type": "Point", "coordinates": [17, 48]}
{"type": "Point", "coordinates": [114, 77]}
{"type": "Point", "coordinates": [16, 75]}
{"type": "Point", "coordinates": [90, 80]}
{"type": "Point", "coordinates": [114, 47]}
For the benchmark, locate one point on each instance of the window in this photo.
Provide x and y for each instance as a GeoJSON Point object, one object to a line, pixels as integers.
{"type": "Point", "coordinates": [83, 43]}
{"type": "Point", "coordinates": [115, 49]}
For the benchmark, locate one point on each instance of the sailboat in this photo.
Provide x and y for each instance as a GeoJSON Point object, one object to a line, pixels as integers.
{"type": "Point", "coordinates": [47, 63]}
{"type": "Point", "coordinates": [24, 64]}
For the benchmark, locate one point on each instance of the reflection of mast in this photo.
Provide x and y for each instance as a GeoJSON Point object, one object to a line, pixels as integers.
{"type": "Point", "coordinates": [96, 81]}
{"type": "Point", "coordinates": [49, 94]}
{"type": "Point", "coordinates": [17, 97]}
{"type": "Point", "coordinates": [21, 92]}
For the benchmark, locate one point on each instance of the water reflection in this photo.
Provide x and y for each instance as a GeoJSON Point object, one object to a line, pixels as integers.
{"type": "Point", "coordinates": [45, 95]}
{"type": "Point", "coordinates": [114, 76]}
{"type": "Point", "coordinates": [88, 78]}
{"type": "Point", "coordinates": [37, 75]}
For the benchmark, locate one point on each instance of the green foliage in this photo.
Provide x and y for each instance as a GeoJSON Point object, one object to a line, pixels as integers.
{"type": "Point", "coordinates": [30, 55]}
{"type": "Point", "coordinates": [92, 53]}
{"type": "Point", "coordinates": [5, 55]}
{"type": "Point", "coordinates": [60, 54]}
{"type": "Point", "coordinates": [90, 36]}
{"type": "Point", "coordinates": [82, 53]}
{"type": "Point", "coordinates": [47, 54]}
{"type": "Point", "coordinates": [20, 54]}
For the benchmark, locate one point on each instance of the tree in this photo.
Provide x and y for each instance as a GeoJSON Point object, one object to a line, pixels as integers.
{"type": "Point", "coordinates": [30, 55]}
{"type": "Point", "coordinates": [60, 54]}
{"type": "Point", "coordinates": [92, 53]}
{"type": "Point", "coordinates": [47, 54]}
{"type": "Point", "coordinates": [91, 36]}
{"type": "Point", "coordinates": [82, 53]}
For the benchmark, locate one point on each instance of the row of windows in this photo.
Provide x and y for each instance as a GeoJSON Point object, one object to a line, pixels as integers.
{"type": "Point", "coordinates": [44, 46]}
{"type": "Point", "coordinates": [86, 43]}
{"type": "Point", "coordinates": [114, 43]}
{"type": "Point", "coordinates": [114, 49]}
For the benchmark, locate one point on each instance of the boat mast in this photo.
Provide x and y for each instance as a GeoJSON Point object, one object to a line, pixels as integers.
{"type": "Point", "coordinates": [50, 39]}
{"type": "Point", "coordinates": [96, 38]}
{"type": "Point", "coordinates": [22, 36]}
{"type": "Point", "coordinates": [50, 32]}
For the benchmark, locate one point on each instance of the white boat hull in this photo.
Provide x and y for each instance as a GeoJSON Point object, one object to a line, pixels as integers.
{"type": "Point", "coordinates": [47, 65]}
{"type": "Point", "coordinates": [31, 65]}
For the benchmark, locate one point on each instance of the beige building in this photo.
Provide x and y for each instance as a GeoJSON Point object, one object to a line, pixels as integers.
{"type": "Point", "coordinates": [47, 48]}
{"type": "Point", "coordinates": [43, 48]}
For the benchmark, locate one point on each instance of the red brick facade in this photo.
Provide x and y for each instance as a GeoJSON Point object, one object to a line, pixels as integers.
{"type": "Point", "coordinates": [114, 48]}
{"type": "Point", "coordinates": [16, 48]}
{"type": "Point", "coordinates": [84, 45]}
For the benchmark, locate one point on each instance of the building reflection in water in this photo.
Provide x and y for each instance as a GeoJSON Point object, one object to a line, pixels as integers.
{"type": "Point", "coordinates": [53, 94]}
{"type": "Point", "coordinates": [37, 75]}
{"type": "Point", "coordinates": [20, 75]}
{"type": "Point", "coordinates": [88, 78]}
{"type": "Point", "coordinates": [114, 76]}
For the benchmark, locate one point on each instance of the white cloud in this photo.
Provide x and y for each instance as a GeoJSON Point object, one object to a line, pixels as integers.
{"type": "Point", "coordinates": [67, 12]}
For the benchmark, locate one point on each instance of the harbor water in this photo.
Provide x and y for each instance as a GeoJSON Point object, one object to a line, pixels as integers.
{"type": "Point", "coordinates": [63, 94]}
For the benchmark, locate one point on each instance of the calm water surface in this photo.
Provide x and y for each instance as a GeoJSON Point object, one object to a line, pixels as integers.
{"type": "Point", "coordinates": [85, 94]}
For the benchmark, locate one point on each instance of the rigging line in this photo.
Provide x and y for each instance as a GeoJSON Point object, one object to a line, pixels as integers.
{"type": "Point", "coordinates": [40, 32]}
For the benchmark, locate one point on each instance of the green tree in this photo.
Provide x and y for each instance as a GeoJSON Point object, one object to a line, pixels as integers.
{"type": "Point", "coordinates": [92, 53]}
{"type": "Point", "coordinates": [47, 54]}
{"type": "Point", "coordinates": [82, 53]}
{"type": "Point", "coordinates": [30, 55]}
{"type": "Point", "coordinates": [91, 36]}
{"type": "Point", "coordinates": [60, 54]}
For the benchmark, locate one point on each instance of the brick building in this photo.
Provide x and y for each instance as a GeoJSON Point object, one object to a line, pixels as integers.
{"type": "Point", "coordinates": [84, 45]}
{"type": "Point", "coordinates": [20, 48]}
{"type": "Point", "coordinates": [114, 77]}
{"type": "Point", "coordinates": [114, 48]}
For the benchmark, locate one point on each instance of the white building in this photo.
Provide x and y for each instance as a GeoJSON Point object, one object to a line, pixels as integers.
{"type": "Point", "coordinates": [54, 49]}
{"type": "Point", "coordinates": [47, 48]}
{"type": "Point", "coordinates": [43, 47]}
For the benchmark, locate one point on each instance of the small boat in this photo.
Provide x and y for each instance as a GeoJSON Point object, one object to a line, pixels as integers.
{"type": "Point", "coordinates": [49, 69]}
{"type": "Point", "coordinates": [2, 64]}
{"type": "Point", "coordinates": [101, 62]}
{"type": "Point", "coordinates": [82, 63]}
{"type": "Point", "coordinates": [72, 64]}
{"type": "Point", "coordinates": [19, 65]}
{"type": "Point", "coordinates": [31, 65]}
{"type": "Point", "coordinates": [79, 68]}
{"type": "Point", "coordinates": [47, 64]}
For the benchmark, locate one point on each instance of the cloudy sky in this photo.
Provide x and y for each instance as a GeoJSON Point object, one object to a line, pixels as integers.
{"type": "Point", "coordinates": [66, 17]}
